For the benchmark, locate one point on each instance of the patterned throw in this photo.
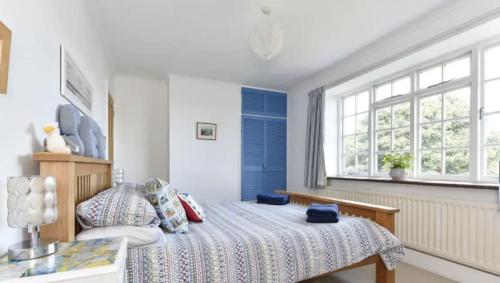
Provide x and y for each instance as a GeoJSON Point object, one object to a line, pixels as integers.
{"type": "Point", "coordinates": [123, 205]}
{"type": "Point", "coordinates": [168, 206]}
{"type": "Point", "coordinates": [249, 242]}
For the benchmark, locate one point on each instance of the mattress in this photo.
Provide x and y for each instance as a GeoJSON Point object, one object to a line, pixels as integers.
{"type": "Point", "coordinates": [250, 242]}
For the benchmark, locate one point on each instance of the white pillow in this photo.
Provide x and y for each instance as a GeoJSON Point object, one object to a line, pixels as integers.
{"type": "Point", "coordinates": [137, 236]}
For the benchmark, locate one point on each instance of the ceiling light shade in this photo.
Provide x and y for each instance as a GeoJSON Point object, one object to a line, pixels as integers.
{"type": "Point", "coordinates": [267, 37]}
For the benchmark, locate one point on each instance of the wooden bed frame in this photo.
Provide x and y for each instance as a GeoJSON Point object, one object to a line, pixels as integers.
{"type": "Point", "coordinates": [79, 178]}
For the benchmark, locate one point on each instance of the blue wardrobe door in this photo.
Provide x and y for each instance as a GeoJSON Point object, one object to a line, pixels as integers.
{"type": "Point", "coordinates": [253, 101]}
{"type": "Point", "coordinates": [276, 104]}
{"type": "Point", "coordinates": [253, 157]}
{"type": "Point", "coordinates": [275, 155]}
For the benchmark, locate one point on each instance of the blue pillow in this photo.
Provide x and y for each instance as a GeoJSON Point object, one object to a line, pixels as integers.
{"type": "Point", "coordinates": [87, 131]}
{"type": "Point", "coordinates": [68, 118]}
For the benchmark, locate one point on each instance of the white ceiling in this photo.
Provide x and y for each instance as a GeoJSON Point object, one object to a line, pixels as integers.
{"type": "Point", "coordinates": [209, 38]}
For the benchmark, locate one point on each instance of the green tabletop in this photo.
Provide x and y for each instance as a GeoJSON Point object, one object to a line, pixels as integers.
{"type": "Point", "coordinates": [70, 256]}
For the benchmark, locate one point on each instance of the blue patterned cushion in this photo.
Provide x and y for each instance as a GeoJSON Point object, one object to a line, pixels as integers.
{"type": "Point", "coordinates": [167, 205]}
{"type": "Point", "coordinates": [118, 206]}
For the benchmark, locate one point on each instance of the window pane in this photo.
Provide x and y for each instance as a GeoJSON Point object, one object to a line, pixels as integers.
{"type": "Point", "coordinates": [383, 141]}
{"type": "Point", "coordinates": [349, 164]}
{"type": "Point", "coordinates": [431, 163]}
{"type": "Point", "coordinates": [492, 159]}
{"type": "Point", "coordinates": [401, 139]}
{"type": "Point", "coordinates": [430, 108]}
{"type": "Point", "coordinates": [401, 115]}
{"type": "Point", "coordinates": [380, 163]}
{"type": "Point", "coordinates": [362, 123]}
{"type": "Point", "coordinates": [349, 125]}
{"type": "Point", "coordinates": [430, 135]}
{"type": "Point", "coordinates": [492, 96]}
{"type": "Point", "coordinates": [492, 63]}
{"type": "Point", "coordinates": [362, 164]}
{"type": "Point", "coordinates": [457, 103]}
{"type": "Point", "coordinates": [401, 86]}
{"type": "Point", "coordinates": [349, 105]}
{"type": "Point", "coordinates": [430, 77]}
{"type": "Point", "coordinates": [362, 143]}
{"type": "Point", "coordinates": [349, 145]}
{"type": "Point", "coordinates": [457, 162]}
{"type": "Point", "coordinates": [383, 91]}
{"type": "Point", "coordinates": [457, 133]}
{"type": "Point", "coordinates": [492, 129]}
{"type": "Point", "coordinates": [363, 101]}
{"type": "Point", "coordinates": [383, 117]}
{"type": "Point", "coordinates": [457, 69]}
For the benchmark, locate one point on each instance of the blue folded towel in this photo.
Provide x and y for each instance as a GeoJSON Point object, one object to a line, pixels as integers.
{"type": "Point", "coordinates": [323, 213]}
{"type": "Point", "coordinates": [273, 199]}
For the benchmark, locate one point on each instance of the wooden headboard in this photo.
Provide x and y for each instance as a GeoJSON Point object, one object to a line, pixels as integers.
{"type": "Point", "coordinates": [78, 179]}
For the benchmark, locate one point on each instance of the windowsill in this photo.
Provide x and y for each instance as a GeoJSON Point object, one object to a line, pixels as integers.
{"type": "Point", "coordinates": [468, 185]}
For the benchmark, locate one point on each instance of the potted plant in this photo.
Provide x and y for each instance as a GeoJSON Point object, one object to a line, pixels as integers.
{"type": "Point", "coordinates": [397, 164]}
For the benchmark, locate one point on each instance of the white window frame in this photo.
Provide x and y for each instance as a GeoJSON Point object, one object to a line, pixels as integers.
{"type": "Point", "coordinates": [482, 83]}
{"type": "Point", "coordinates": [474, 81]}
{"type": "Point", "coordinates": [342, 135]}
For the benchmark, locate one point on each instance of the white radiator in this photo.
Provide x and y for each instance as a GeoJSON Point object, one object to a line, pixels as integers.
{"type": "Point", "coordinates": [463, 232]}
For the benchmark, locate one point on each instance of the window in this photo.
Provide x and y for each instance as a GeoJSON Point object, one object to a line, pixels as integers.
{"type": "Point", "coordinates": [442, 73]}
{"type": "Point", "coordinates": [397, 87]}
{"type": "Point", "coordinates": [392, 132]}
{"type": "Point", "coordinates": [355, 139]}
{"type": "Point", "coordinates": [445, 114]}
{"type": "Point", "coordinates": [490, 118]}
{"type": "Point", "coordinates": [444, 133]}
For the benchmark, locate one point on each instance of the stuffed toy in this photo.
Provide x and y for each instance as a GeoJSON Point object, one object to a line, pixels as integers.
{"type": "Point", "coordinates": [54, 142]}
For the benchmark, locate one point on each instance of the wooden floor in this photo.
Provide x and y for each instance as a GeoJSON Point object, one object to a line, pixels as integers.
{"type": "Point", "coordinates": [405, 274]}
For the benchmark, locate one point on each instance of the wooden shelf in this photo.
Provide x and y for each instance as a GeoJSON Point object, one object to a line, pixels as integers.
{"type": "Point", "coordinates": [47, 156]}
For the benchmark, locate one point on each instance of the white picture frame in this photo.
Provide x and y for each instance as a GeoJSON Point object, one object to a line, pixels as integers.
{"type": "Point", "coordinates": [206, 131]}
{"type": "Point", "coordinates": [74, 86]}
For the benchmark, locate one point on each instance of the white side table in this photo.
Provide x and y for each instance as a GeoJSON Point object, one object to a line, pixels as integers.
{"type": "Point", "coordinates": [91, 261]}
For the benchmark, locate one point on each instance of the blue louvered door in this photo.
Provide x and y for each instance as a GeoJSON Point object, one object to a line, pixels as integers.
{"type": "Point", "coordinates": [264, 132]}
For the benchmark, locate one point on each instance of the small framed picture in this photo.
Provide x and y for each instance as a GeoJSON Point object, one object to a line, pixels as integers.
{"type": "Point", "coordinates": [206, 131]}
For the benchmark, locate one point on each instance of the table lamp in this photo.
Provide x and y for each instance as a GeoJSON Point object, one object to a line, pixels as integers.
{"type": "Point", "coordinates": [118, 177]}
{"type": "Point", "coordinates": [31, 202]}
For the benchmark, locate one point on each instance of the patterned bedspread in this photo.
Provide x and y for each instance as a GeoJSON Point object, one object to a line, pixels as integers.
{"type": "Point", "coordinates": [249, 242]}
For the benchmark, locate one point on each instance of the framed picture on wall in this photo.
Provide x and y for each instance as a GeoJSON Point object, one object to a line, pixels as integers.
{"type": "Point", "coordinates": [206, 131]}
{"type": "Point", "coordinates": [74, 85]}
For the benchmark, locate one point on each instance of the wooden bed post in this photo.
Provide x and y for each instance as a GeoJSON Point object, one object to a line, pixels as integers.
{"type": "Point", "coordinates": [383, 215]}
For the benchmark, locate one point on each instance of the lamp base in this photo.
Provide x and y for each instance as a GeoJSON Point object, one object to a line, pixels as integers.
{"type": "Point", "coordinates": [26, 250]}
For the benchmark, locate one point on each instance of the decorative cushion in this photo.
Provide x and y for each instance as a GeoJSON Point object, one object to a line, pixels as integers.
{"type": "Point", "coordinates": [167, 205]}
{"type": "Point", "coordinates": [125, 205]}
{"type": "Point", "coordinates": [69, 122]}
{"type": "Point", "coordinates": [193, 210]}
{"type": "Point", "coordinates": [87, 134]}
{"type": "Point", "coordinates": [101, 144]}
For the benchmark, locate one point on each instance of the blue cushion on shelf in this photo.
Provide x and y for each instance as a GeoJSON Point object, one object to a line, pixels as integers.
{"type": "Point", "coordinates": [68, 118]}
{"type": "Point", "coordinates": [274, 199]}
{"type": "Point", "coordinates": [101, 144]}
{"type": "Point", "coordinates": [87, 132]}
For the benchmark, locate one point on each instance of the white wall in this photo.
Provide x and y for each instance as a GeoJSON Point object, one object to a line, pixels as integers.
{"type": "Point", "coordinates": [141, 127]}
{"type": "Point", "coordinates": [38, 28]}
{"type": "Point", "coordinates": [210, 170]}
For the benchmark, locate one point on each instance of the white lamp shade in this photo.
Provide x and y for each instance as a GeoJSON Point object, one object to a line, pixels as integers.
{"type": "Point", "coordinates": [31, 201]}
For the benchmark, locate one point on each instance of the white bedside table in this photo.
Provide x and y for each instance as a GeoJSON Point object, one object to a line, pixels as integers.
{"type": "Point", "coordinates": [92, 261]}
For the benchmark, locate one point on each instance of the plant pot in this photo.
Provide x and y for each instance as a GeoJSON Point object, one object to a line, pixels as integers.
{"type": "Point", "coordinates": [397, 174]}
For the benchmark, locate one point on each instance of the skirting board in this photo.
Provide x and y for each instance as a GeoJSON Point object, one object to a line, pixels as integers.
{"type": "Point", "coordinates": [448, 269]}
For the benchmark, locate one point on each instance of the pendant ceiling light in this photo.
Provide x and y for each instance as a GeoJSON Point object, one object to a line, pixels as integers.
{"type": "Point", "coordinates": [267, 37]}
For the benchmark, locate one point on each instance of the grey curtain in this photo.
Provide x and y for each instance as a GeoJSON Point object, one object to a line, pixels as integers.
{"type": "Point", "coordinates": [315, 172]}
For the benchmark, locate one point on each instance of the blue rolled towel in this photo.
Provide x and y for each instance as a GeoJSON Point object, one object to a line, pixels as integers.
{"type": "Point", "coordinates": [322, 219]}
{"type": "Point", "coordinates": [274, 199]}
{"type": "Point", "coordinates": [323, 213]}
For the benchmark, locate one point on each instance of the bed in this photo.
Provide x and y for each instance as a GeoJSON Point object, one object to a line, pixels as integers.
{"type": "Point", "coordinates": [240, 241]}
